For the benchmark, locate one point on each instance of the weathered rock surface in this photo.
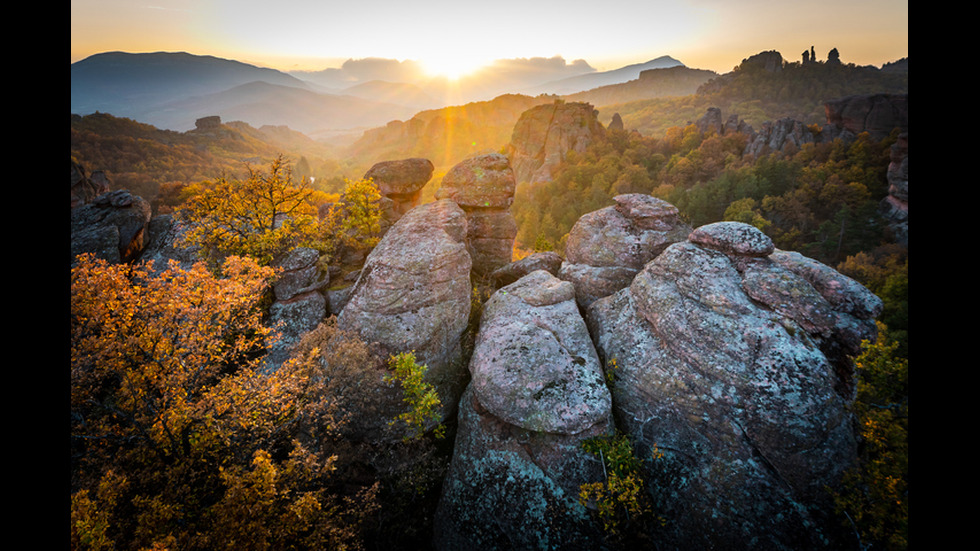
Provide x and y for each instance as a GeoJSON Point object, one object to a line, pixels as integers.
{"type": "Point", "coordinates": [113, 227]}
{"type": "Point", "coordinates": [545, 134]}
{"type": "Point", "coordinates": [732, 364]}
{"type": "Point", "coordinates": [300, 304]}
{"type": "Point", "coordinates": [537, 392]}
{"type": "Point", "coordinates": [607, 247]}
{"type": "Point", "coordinates": [548, 261]}
{"type": "Point", "coordinates": [484, 187]}
{"type": "Point", "coordinates": [414, 294]}
{"type": "Point", "coordinates": [401, 181]}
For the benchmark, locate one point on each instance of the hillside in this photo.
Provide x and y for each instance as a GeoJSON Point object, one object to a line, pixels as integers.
{"type": "Point", "coordinates": [448, 135]}
{"type": "Point", "coordinates": [651, 83]}
{"type": "Point", "coordinates": [763, 87]}
{"type": "Point", "coordinates": [140, 157]}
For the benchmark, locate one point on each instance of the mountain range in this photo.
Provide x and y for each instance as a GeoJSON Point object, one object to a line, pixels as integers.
{"type": "Point", "coordinates": [173, 90]}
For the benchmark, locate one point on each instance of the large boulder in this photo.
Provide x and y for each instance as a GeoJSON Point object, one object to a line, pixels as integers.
{"type": "Point", "coordinates": [545, 134]}
{"type": "Point", "coordinates": [112, 226]}
{"type": "Point", "coordinates": [607, 247]}
{"type": "Point", "coordinates": [413, 294]}
{"type": "Point", "coordinates": [731, 360]}
{"type": "Point", "coordinates": [484, 187]}
{"type": "Point", "coordinates": [537, 393]}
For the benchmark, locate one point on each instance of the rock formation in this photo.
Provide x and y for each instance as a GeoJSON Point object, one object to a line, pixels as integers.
{"type": "Point", "coordinates": [877, 114]}
{"type": "Point", "coordinates": [537, 393]}
{"type": "Point", "coordinates": [300, 304]}
{"type": "Point", "coordinates": [484, 187]}
{"type": "Point", "coordinates": [414, 294]}
{"type": "Point", "coordinates": [607, 247]}
{"type": "Point", "coordinates": [616, 123]}
{"type": "Point", "coordinates": [545, 134]}
{"type": "Point", "coordinates": [548, 261]}
{"type": "Point", "coordinates": [84, 187]}
{"type": "Point", "coordinates": [112, 226]}
{"type": "Point", "coordinates": [895, 207]}
{"type": "Point", "coordinates": [731, 362]}
{"type": "Point", "coordinates": [401, 182]}
{"type": "Point", "coordinates": [778, 135]}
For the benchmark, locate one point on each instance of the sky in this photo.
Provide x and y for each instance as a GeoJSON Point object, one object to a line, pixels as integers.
{"type": "Point", "coordinates": [452, 37]}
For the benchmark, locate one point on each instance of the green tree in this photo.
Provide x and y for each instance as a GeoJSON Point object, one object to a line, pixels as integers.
{"type": "Point", "coordinates": [875, 494]}
{"type": "Point", "coordinates": [421, 397]}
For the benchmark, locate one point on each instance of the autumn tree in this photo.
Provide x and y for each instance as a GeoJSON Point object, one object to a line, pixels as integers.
{"type": "Point", "coordinates": [262, 215]}
{"type": "Point", "coordinates": [180, 439]}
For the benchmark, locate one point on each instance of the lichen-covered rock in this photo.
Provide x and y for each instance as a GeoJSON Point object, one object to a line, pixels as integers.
{"type": "Point", "coordinates": [734, 366]}
{"type": "Point", "coordinates": [112, 226]}
{"type": "Point", "coordinates": [537, 393]}
{"type": "Point", "coordinates": [484, 187]}
{"type": "Point", "coordinates": [534, 364]}
{"type": "Point", "coordinates": [607, 247]}
{"type": "Point", "coordinates": [414, 294]}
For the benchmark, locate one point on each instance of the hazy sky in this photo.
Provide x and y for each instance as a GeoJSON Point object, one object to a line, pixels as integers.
{"type": "Point", "coordinates": [456, 35]}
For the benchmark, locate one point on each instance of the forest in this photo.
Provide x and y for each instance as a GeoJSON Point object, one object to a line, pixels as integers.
{"type": "Point", "coordinates": [180, 439]}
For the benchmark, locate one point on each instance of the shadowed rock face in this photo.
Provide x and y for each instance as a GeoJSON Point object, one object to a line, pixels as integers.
{"type": "Point", "coordinates": [537, 392]}
{"type": "Point", "coordinates": [484, 187]}
{"type": "Point", "coordinates": [112, 226]}
{"type": "Point", "coordinates": [414, 293]}
{"type": "Point", "coordinates": [730, 362]}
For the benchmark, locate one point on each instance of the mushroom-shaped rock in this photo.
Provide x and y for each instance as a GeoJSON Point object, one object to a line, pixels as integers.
{"type": "Point", "coordinates": [401, 182]}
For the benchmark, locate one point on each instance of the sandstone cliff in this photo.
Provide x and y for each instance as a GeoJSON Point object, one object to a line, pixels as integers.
{"type": "Point", "coordinates": [546, 133]}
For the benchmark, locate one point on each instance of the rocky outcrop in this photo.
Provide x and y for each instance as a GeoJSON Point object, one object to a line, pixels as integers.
{"type": "Point", "coordinates": [877, 114]}
{"type": "Point", "coordinates": [166, 234]}
{"type": "Point", "coordinates": [731, 361]}
{"type": "Point", "coordinates": [113, 227]}
{"type": "Point", "coordinates": [606, 248]}
{"type": "Point", "coordinates": [545, 134]}
{"type": "Point", "coordinates": [84, 187]}
{"type": "Point", "coordinates": [401, 182]}
{"type": "Point", "coordinates": [414, 294]}
{"type": "Point", "coordinates": [484, 187]}
{"type": "Point", "coordinates": [300, 304]}
{"type": "Point", "coordinates": [537, 393]}
{"type": "Point", "coordinates": [778, 136]}
{"type": "Point", "coordinates": [895, 207]}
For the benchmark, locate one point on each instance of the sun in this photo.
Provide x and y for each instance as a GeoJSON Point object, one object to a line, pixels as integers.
{"type": "Point", "coordinates": [452, 65]}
